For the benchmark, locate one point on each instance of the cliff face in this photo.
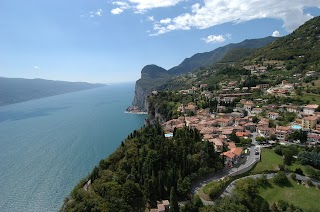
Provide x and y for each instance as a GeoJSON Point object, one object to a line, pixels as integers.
{"type": "Point", "coordinates": [152, 77]}
{"type": "Point", "coordinates": [140, 96]}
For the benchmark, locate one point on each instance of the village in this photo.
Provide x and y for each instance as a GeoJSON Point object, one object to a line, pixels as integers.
{"type": "Point", "coordinates": [231, 131]}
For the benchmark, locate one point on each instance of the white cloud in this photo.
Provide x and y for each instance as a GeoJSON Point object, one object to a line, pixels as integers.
{"type": "Point", "coordinates": [214, 39]}
{"type": "Point", "coordinates": [116, 11]}
{"type": "Point", "coordinates": [92, 14]}
{"type": "Point", "coordinates": [141, 6]}
{"type": "Point", "coordinates": [276, 34]}
{"type": "Point", "coordinates": [36, 67]}
{"type": "Point", "coordinates": [99, 12]}
{"type": "Point", "coordinates": [211, 13]}
{"type": "Point", "coordinates": [150, 18]}
{"type": "Point", "coordinates": [165, 21]}
{"type": "Point", "coordinates": [121, 4]}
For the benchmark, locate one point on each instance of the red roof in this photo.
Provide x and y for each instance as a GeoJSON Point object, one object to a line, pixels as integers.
{"type": "Point", "coordinates": [232, 145]}
{"type": "Point", "coordinates": [311, 118]}
{"type": "Point", "coordinates": [242, 134]}
{"type": "Point", "coordinates": [237, 151]}
{"type": "Point", "coordinates": [229, 154]}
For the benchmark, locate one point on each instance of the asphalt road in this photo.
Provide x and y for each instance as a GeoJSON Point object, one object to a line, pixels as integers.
{"type": "Point", "coordinates": [243, 163]}
{"type": "Point", "coordinates": [229, 189]}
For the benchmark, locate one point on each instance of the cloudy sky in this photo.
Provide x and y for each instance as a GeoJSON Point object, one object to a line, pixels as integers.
{"type": "Point", "coordinates": [110, 41]}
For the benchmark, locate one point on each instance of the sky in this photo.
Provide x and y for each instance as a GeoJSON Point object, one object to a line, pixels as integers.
{"type": "Point", "coordinates": [106, 41]}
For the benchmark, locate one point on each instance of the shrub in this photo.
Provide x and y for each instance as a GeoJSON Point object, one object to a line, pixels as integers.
{"type": "Point", "coordinates": [299, 171]}
{"type": "Point", "coordinates": [278, 150]}
{"type": "Point", "coordinates": [262, 180]}
{"type": "Point", "coordinates": [281, 167]}
{"type": "Point", "coordinates": [280, 178]}
{"type": "Point", "coordinates": [310, 183]}
{"type": "Point", "coordinates": [215, 190]}
{"type": "Point", "coordinates": [282, 205]}
{"type": "Point", "coordinates": [293, 176]}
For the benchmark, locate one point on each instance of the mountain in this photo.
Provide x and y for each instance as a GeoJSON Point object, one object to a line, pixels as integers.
{"type": "Point", "coordinates": [14, 90]}
{"type": "Point", "coordinates": [152, 76]}
{"type": "Point", "coordinates": [155, 77]}
{"type": "Point", "coordinates": [210, 58]}
{"type": "Point", "coordinates": [300, 49]}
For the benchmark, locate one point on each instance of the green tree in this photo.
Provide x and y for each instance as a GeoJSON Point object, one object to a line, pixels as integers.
{"type": "Point", "coordinates": [293, 176]}
{"type": "Point", "coordinates": [174, 206]}
{"type": "Point", "coordinates": [280, 178]}
{"type": "Point", "coordinates": [274, 207]}
{"type": "Point", "coordinates": [197, 202]}
{"type": "Point", "coordinates": [288, 156]}
{"type": "Point", "coordinates": [233, 137]}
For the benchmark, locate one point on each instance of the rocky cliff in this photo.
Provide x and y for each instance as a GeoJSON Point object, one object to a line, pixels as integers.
{"type": "Point", "coordinates": [152, 78]}
{"type": "Point", "coordinates": [140, 96]}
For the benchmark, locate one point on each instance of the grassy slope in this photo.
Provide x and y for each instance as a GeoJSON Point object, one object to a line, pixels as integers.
{"type": "Point", "coordinates": [313, 98]}
{"type": "Point", "coordinates": [269, 161]}
{"type": "Point", "coordinates": [299, 195]}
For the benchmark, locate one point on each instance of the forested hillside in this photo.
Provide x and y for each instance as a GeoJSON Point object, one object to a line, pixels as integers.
{"type": "Point", "coordinates": [146, 167]}
{"type": "Point", "coordinates": [301, 48]}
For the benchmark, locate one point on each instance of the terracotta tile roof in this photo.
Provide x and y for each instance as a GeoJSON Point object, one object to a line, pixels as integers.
{"type": "Point", "coordinates": [249, 103]}
{"type": "Point", "coordinates": [237, 151]}
{"type": "Point", "coordinates": [282, 128]}
{"type": "Point", "coordinates": [229, 154]}
{"type": "Point", "coordinates": [166, 202]}
{"type": "Point", "coordinates": [207, 136]}
{"type": "Point", "coordinates": [257, 108]}
{"type": "Point", "coordinates": [311, 118]}
{"type": "Point", "coordinates": [232, 145]}
{"type": "Point", "coordinates": [242, 134]}
{"type": "Point", "coordinates": [226, 132]}
{"type": "Point", "coordinates": [222, 120]}
{"type": "Point", "coordinates": [161, 208]}
{"type": "Point", "coordinates": [217, 141]}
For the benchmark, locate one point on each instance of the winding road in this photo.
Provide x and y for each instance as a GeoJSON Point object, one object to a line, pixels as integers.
{"type": "Point", "coordinates": [244, 165]}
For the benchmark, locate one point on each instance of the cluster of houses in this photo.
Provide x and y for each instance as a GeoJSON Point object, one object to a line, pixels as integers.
{"type": "Point", "coordinates": [217, 127]}
{"type": "Point", "coordinates": [282, 89]}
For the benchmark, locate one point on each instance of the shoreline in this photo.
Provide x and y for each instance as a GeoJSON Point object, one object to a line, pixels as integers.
{"type": "Point", "coordinates": [136, 112]}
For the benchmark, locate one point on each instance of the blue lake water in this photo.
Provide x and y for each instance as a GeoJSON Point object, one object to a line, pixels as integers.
{"type": "Point", "coordinates": [48, 145]}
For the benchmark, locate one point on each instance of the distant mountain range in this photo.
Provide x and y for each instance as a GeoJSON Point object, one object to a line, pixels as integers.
{"type": "Point", "coordinates": [14, 90]}
{"type": "Point", "coordinates": [299, 50]}
{"type": "Point", "coordinates": [210, 58]}
{"type": "Point", "coordinates": [154, 77]}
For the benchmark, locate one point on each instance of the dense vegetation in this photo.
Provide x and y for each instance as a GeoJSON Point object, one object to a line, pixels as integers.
{"type": "Point", "coordinates": [301, 49]}
{"type": "Point", "coordinates": [227, 52]}
{"type": "Point", "coordinates": [146, 168]}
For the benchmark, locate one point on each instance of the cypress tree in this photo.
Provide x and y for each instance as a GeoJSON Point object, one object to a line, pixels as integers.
{"type": "Point", "coordinates": [174, 206]}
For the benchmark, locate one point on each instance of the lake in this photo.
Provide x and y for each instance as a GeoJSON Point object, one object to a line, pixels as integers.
{"type": "Point", "coordinates": [48, 145]}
